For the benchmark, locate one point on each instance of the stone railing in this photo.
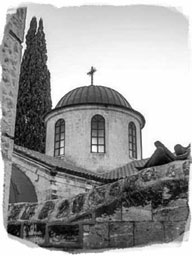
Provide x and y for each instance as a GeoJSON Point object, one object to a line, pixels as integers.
{"type": "Point", "coordinates": [149, 207]}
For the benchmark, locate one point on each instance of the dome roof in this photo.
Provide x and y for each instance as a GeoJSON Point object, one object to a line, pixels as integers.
{"type": "Point", "coordinates": [93, 94]}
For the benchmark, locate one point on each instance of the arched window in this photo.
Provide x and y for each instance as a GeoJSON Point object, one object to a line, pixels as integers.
{"type": "Point", "coordinates": [59, 147]}
{"type": "Point", "coordinates": [97, 134]}
{"type": "Point", "coordinates": [132, 140]}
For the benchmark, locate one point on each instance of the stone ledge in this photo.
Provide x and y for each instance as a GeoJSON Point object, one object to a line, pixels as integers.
{"type": "Point", "coordinates": [171, 214]}
{"type": "Point", "coordinates": [139, 213]}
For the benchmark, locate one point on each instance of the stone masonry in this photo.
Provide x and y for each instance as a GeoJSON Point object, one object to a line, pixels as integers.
{"type": "Point", "coordinates": [10, 55]}
{"type": "Point", "coordinates": [145, 208]}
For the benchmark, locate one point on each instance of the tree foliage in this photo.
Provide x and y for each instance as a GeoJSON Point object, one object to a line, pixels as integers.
{"type": "Point", "coordinates": [34, 95]}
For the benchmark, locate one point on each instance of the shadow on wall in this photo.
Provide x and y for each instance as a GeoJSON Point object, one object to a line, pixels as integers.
{"type": "Point", "coordinates": [21, 188]}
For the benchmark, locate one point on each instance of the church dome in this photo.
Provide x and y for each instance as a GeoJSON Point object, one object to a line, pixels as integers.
{"type": "Point", "coordinates": [95, 127]}
{"type": "Point", "coordinates": [93, 94]}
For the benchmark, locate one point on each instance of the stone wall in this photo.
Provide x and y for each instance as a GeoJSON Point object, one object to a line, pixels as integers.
{"type": "Point", "coordinates": [149, 207]}
{"type": "Point", "coordinates": [10, 54]}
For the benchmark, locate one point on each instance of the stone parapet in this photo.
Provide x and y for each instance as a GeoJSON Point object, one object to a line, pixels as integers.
{"type": "Point", "coordinates": [150, 207]}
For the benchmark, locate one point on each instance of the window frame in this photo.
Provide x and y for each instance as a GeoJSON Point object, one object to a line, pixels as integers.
{"type": "Point", "coordinates": [132, 140]}
{"type": "Point", "coordinates": [99, 120]}
{"type": "Point", "coordinates": [60, 126]}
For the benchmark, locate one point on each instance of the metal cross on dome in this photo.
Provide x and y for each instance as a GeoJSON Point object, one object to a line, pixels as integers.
{"type": "Point", "coordinates": [91, 73]}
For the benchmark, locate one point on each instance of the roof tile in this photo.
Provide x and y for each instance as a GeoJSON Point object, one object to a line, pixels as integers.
{"type": "Point", "coordinates": [56, 162]}
{"type": "Point", "coordinates": [126, 170]}
{"type": "Point", "coordinates": [118, 173]}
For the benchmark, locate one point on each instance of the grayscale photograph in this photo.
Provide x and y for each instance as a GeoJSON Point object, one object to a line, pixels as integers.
{"type": "Point", "coordinates": [95, 138]}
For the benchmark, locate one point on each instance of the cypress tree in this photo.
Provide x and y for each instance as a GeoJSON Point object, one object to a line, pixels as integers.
{"type": "Point", "coordinates": [34, 96]}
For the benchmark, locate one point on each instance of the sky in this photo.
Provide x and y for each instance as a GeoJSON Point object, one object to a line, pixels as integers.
{"type": "Point", "coordinates": [143, 52]}
{"type": "Point", "coordinates": [140, 51]}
